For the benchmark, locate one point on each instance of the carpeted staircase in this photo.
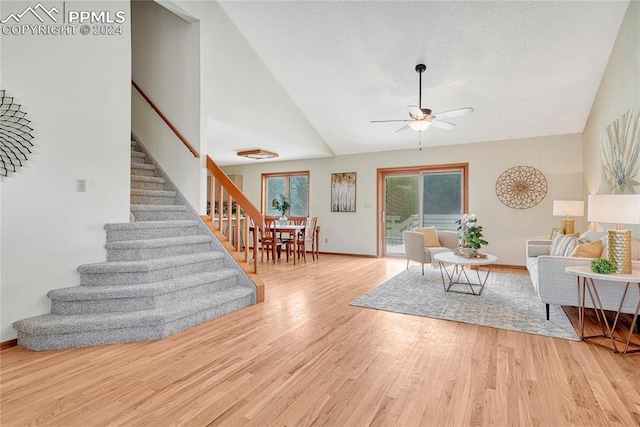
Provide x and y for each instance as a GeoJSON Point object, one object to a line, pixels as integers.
{"type": "Point", "coordinates": [165, 272]}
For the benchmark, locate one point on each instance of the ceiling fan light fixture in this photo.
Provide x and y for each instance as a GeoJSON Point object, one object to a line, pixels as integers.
{"type": "Point", "coordinates": [258, 154]}
{"type": "Point", "coordinates": [420, 125]}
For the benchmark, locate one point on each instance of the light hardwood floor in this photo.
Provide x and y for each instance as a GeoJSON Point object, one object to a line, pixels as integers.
{"type": "Point", "coordinates": [306, 357]}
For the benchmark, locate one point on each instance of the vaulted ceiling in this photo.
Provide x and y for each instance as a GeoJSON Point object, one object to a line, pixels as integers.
{"type": "Point", "coordinates": [528, 68]}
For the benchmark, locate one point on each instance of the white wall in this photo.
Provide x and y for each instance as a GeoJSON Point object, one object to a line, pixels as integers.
{"type": "Point", "coordinates": [166, 65]}
{"type": "Point", "coordinates": [506, 229]}
{"type": "Point", "coordinates": [244, 105]}
{"type": "Point", "coordinates": [619, 92]}
{"type": "Point", "coordinates": [76, 91]}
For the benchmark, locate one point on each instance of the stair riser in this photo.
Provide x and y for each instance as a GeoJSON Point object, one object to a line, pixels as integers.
{"type": "Point", "coordinates": [143, 172]}
{"type": "Point", "coordinates": [120, 335]}
{"type": "Point", "coordinates": [169, 299]}
{"type": "Point", "coordinates": [138, 156]}
{"type": "Point", "coordinates": [133, 278]}
{"type": "Point", "coordinates": [152, 200]}
{"type": "Point", "coordinates": [159, 215]}
{"type": "Point", "coordinates": [113, 305]}
{"type": "Point", "coordinates": [143, 185]}
{"type": "Point", "coordinates": [138, 254]}
{"type": "Point", "coordinates": [150, 233]}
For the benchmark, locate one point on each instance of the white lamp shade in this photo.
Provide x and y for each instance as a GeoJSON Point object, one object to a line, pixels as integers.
{"type": "Point", "coordinates": [568, 208]}
{"type": "Point", "coordinates": [614, 208]}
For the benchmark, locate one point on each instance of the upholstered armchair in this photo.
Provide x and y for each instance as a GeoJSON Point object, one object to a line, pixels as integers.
{"type": "Point", "coordinates": [415, 249]}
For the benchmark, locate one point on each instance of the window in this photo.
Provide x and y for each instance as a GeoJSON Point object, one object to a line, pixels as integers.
{"type": "Point", "coordinates": [294, 186]}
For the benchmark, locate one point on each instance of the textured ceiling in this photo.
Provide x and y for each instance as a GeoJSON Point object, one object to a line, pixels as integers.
{"type": "Point", "coordinates": [528, 68]}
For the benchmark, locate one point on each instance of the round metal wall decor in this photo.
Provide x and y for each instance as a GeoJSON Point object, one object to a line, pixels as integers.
{"type": "Point", "coordinates": [15, 135]}
{"type": "Point", "coordinates": [521, 187]}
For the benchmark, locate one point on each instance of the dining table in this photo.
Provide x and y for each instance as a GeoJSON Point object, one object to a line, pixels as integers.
{"type": "Point", "coordinates": [292, 229]}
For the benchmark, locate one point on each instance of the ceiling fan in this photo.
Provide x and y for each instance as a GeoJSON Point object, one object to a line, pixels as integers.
{"type": "Point", "coordinates": [421, 118]}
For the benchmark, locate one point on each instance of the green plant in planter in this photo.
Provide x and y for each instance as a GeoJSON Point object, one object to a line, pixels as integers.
{"type": "Point", "coordinates": [470, 232]}
{"type": "Point", "coordinates": [603, 265]}
{"type": "Point", "coordinates": [282, 205]}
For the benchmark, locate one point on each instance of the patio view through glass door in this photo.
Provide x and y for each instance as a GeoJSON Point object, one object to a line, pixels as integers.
{"type": "Point", "coordinates": [418, 197]}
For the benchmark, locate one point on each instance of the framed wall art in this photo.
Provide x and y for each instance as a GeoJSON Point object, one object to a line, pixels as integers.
{"type": "Point", "coordinates": [620, 151]}
{"type": "Point", "coordinates": [343, 192]}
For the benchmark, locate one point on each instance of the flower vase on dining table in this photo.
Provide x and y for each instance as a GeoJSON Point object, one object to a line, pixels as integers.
{"type": "Point", "coordinates": [283, 220]}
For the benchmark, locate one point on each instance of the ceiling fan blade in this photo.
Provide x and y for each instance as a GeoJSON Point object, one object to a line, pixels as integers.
{"type": "Point", "coordinates": [386, 121]}
{"type": "Point", "coordinates": [453, 113]}
{"type": "Point", "coordinates": [405, 127]}
{"type": "Point", "coordinates": [415, 112]}
{"type": "Point", "coordinates": [442, 125]}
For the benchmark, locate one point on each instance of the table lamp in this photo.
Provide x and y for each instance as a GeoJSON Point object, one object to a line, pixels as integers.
{"type": "Point", "coordinates": [567, 208]}
{"type": "Point", "coordinates": [617, 209]}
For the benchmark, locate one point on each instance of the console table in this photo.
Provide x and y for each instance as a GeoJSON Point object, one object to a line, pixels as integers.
{"type": "Point", "coordinates": [586, 284]}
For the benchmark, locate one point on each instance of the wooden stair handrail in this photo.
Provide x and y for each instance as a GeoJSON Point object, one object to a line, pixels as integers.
{"type": "Point", "coordinates": [233, 190]}
{"type": "Point", "coordinates": [163, 117]}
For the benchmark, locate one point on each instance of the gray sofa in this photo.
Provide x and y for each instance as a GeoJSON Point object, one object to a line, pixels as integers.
{"type": "Point", "coordinates": [555, 286]}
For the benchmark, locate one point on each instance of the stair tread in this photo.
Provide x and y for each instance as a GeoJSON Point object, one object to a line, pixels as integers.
{"type": "Point", "coordinates": [137, 165]}
{"type": "Point", "coordinates": [149, 264]}
{"type": "Point", "coordinates": [158, 193]}
{"type": "Point", "coordinates": [182, 223]}
{"type": "Point", "coordinates": [158, 242]}
{"type": "Point", "coordinates": [55, 324]}
{"type": "Point", "coordinates": [145, 178]}
{"type": "Point", "coordinates": [139, 207]}
{"type": "Point", "coordinates": [88, 293]}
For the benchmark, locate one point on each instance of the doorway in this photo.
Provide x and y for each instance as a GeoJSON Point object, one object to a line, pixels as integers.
{"type": "Point", "coordinates": [420, 196]}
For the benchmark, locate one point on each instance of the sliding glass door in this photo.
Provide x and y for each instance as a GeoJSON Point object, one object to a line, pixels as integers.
{"type": "Point", "coordinates": [418, 197]}
{"type": "Point", "coordinates": [402, 210]}
{"type": "Point", "coordinates": [442, 201]}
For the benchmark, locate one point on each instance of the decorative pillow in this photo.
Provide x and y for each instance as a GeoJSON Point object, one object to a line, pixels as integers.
{"type": "Point", "coordinates": [563, 245]}
{"type": "Point", "coordinates": [588, 250]}
{"type": "Point", "coordinates": [430, 236]}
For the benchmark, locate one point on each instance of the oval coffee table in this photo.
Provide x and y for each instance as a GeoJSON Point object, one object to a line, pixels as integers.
{"type": "Point", "coordinates": [459, 267]}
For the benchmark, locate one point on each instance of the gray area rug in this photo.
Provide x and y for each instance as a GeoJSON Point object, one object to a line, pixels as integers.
{"type": "Point", "coordinates": [508, 302]}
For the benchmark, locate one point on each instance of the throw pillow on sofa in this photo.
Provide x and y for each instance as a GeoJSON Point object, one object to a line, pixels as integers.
{"type": "Point", "coordinates": [563, 245]}
{"type": "Point", "coordinates": [430, 236]}
{"type": "Point", "coordinates": [588, 250]}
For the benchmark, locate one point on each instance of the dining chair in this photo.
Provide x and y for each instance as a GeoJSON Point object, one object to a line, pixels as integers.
{"type": "Point", "coordinates": [286, 237]}
{"type": "Point", "coordinates": [269, 241]}
{"type": "Point", "coordinates": [308, 238]}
